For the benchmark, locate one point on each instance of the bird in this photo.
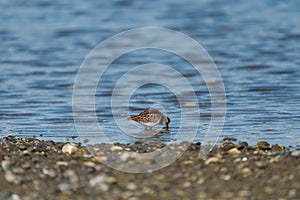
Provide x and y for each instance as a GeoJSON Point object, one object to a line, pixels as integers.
{"type": "Point", "coordinates": [151, 117]}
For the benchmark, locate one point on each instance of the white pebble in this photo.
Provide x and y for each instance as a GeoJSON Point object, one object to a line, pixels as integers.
{"type": "Point", "coordinates": [212, 160]}
{"type": "Point", "coordinates": [296, 153]}
{"type": "Point", "coordinates": [69, 148]}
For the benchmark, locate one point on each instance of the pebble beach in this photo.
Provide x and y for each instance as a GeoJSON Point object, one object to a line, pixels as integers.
{"type": "Point", "coordinates": [35, 169]}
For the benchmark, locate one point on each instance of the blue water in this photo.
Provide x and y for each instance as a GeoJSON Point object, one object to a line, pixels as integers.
{"type": "Point", "coordinates": [254, 44]}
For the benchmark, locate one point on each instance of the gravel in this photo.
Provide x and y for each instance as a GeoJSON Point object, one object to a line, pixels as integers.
{"type": "Point", "coordinates": [34, 169]}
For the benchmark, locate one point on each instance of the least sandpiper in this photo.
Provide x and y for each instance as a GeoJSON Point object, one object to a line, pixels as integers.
{"type": "Point", "coordinates": [151, 117]}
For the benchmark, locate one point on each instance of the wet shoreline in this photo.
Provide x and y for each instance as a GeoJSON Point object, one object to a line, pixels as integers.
{"type": "Point", "coordinates": [35, 169]}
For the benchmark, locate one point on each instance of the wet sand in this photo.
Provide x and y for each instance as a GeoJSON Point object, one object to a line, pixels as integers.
{"type": "Point", "coordinates": [34, 169]}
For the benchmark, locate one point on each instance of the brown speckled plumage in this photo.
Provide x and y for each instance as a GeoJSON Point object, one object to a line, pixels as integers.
{"type": "Point", "coordinates": [151, 117]}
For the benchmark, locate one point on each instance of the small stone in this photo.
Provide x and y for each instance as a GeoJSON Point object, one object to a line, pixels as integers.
{"type": "Point", "coordinates": [98, 159]}
{"type": "Point", "coordinates": [226, 177]}
{"type": "Point", "coordinates": [63, 187]}
{"type": "Point", "coordinates": [111, 180]}
{"type": "Point", "coordinates": [69, 148]}
{"type": "Point", "coordinates": [263, 145]}
{"type": "Point", "coordinates": [187, 184]}
{"type": "Point", "coordinates": [89, 164]}
{"type": "Point", "coordinates": [224, 169]}
{"type": "Point", "coordinates": [261, 164]}
{"type": "Point", "coordinates": [133, 198]}
{"type": "Point", "coordinates": [126, 194]}
{"type": "Point", "coordinates": [292, 193]}
{"type": "Point", "coordinates": [125, 156]}
{"type": "Point", "coordinates": [187, 162]}
{"type": "Point", "coordinates": [62, 163]}
{"type": "Point", "coordinates": [276, 148]}
{"type": "Point", "coordinates": [227, 195]}
{"type": "Point", "coordinates": [246, 171]}
{"type": "Point", "coordinates": [49, 172]}
{"type": "Point", "coordinates": [269, 190]}
{"type": "Point", "coordinates": [226, 146]}
{"type": "Point", "coordinates": [228, 139]}
{"type": "Point", "coordinates": [296, 153]}
{"type": "Point", "coordinates": [26, 165]}
{"type": "Point", "coordinates": [17, 170]}
{"type": "Point", "coordinates": [242, 145]}
{"type": "Point", "coordinates": [148, 190]}
{"type": "Point", "coordinates": [116, 148]}
{"type": "Point", "coordinates": [99, 182]}
{"type": "Point", "coordinates": [200, 181]}
{"type": "Point", "coordinates": [234, 151]}
{"type": "Point", "coordinates": [212, 160]}
{"type": "Point", "coordinates": [73, 178]}
{"type": "Point", "coordinates": [80, 152]}
{"type": "Point", "coordinates": [15, 197]}
{"type": "Point", "coordinates": [5, 164]}
{"type": "Point", "coordinates": [131, 186]}
{"type": "Point", "coordinates": [10, 177]}
{"type": "Point", "coordinates": [244, 193]}
{"type": "Point", "coordinates": [26, 153]}
{"type": "Point", "coordinates": [275, 159]}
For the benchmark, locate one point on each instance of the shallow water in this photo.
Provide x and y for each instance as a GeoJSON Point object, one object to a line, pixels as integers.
{"type": "Point", "coordinates": [254, 44]}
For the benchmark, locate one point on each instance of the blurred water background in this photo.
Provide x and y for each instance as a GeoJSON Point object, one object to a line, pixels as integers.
{"type": "Point", "coordinates": [255, 45]}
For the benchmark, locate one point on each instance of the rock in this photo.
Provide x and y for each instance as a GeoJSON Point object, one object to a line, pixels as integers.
{"type": "Point", "coordinates": [116, 148]}
{"type": "Point", "coordinates": [49, 172]}
{"type": "Point", "coordinates": [227, 146]}
{"type": "Point", "coordinates": [5, 164]}
{"type": "Point", "coordinates": [69, 148]}
{"type": "Point", "coordinates": [73, 178]}
{"type": "Point", "coordinates": [26, 165]}
{"type": "Point", "coordinates": [99, 181]}
{"type": "Point", "coordinates": [26, 153]}
{"type": "Point", "coordinates": [125, 156]}
{"type": "Point", "coordinates": [263, 145]}
{"type": "Point", "coordinates": [200, 181]}
{"type": "Point", "coordinates": [131, 186]}
{"type": "Point", "coordinates": [62, 163]}
{"type": "Point", "coordinates": [292, 193]}
{"type": "Point", "coordinates": [187, 184]}
{"type": "Point", "coordinates": [98, 159]}
{"type": "Point", "coordinates": [111, 179]}
{"type": "Point", "coordinates": [15, 197]}
{"type": "Point", "coordinates": [17, 170]}
{"type": "Point", "coordinates": [89, 164]}
{"type": "Point", "coordinates": [63, 187]}
{"type": "Point", "coordinates": [10, 177]}
{"type": "Point", "coordinates": [276, 148]}
{"type": "Point", "coordinates": [226, 177]}
{"type": "Point", "coordinates": [244, 193]}
{"type": "Point", "coordinates": [80, 152]}
{"type": "Point", "coordinates": [212, 160]}
{"type": "Point", "coordinates": [246, 171]}
{"type": "Point", "coordinates": [275, 159]}
{"type": "Point", "coordinates": [223, 169]}
{"type": "Point", "coordinates": [296, 153]}
{"type": "Point", "coordinates": [234, 151]}
{"type": "Point", "coordinates": [242, 145]}
{"type": "Point", "coordinates": [261, 164]}
{"type": "Point", "coordinates": [269, 190]}
{"type": "Point", "coordinates": [228, 139]}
